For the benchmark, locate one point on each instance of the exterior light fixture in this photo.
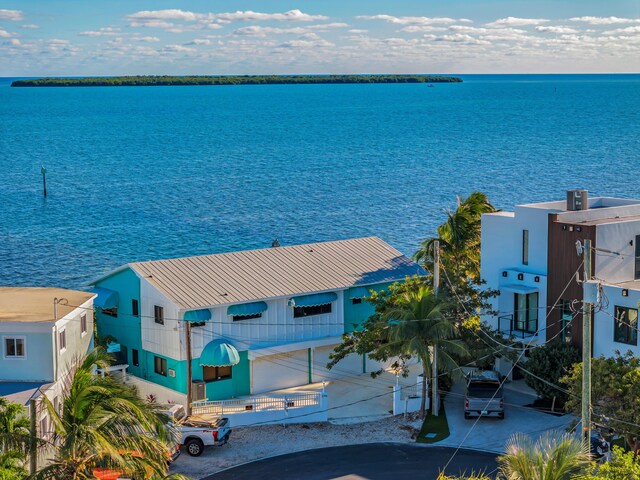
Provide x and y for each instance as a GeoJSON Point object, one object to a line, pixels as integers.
{"type": "Point", "coordinates": [505, 273]}
{"type": "Point", "coordinates": [536, 279]}
{"type": "Point", "coordinates": [521, 276]}
{"type": "Point", "coordinates": [625, 292]}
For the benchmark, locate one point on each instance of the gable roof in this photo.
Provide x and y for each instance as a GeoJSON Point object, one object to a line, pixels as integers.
{"type": "Point", "coordinates": [237, 277]}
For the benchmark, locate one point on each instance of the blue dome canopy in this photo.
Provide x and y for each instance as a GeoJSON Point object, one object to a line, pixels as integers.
{"type": "Point", "coordinates": [219, 353]}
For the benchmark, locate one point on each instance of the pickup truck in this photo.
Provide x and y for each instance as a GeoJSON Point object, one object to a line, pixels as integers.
{"type": "Point", "coordinates": [484, 394]}
{"type": "Point", "coordinates": [196, 433]}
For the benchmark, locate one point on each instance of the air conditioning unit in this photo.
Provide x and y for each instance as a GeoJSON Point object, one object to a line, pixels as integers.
{"type": "Point", "coordinates": [577, 200]}
{"type": "Point", "coordinates": [198, 390]}
{"type": "Point", "coordinates": [172, 373]}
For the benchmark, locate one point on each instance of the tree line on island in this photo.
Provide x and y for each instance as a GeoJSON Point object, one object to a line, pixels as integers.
{"type": "Point", "coordinates": [167, 80]}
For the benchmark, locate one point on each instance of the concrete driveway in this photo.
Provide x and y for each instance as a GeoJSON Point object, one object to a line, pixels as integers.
{"type": "Point", "coordinates": [360, 398]}
{"type": "Point", "coordinates": [491, 434]}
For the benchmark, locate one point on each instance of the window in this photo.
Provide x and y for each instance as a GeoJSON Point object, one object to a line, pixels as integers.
{"type": "Point", "coordinates": [356, 301]}
{"type": "Point", "coordinates": [525, 247]}
{"type": "Point", "coordinates": [526, 312]}
{"type": "Point", "coordinates": [83, 323]}
{"type": "Point", "coordinates": [160, 366]}
{"type": "Point", "coordinates": [158, 314]}
{"type": "Point", "coordinates": [44, 427]}
{"type": "Point", "coordinates": [14, 348]}
{"type": "Point", "coordinates": [111, 312]}
{"type": "Point", "coordinates": [134, 357]}
{"type": "Point", "coordinates": [213, 374]}
{"type": "Point", "coordinates": [239, 318]}
{"type": "Point", "coordinates": [625, 327]}
{"type": "Point", "coordinates": [567, 316]}
{"type": "Point", "coordinates": [637, 271]}
{"type": "Point", "coordinates": [312, 310]}
{"type": "Point", "coordinates": [62, 342]}
{"type": "Point", "coordinates": [134, 307]}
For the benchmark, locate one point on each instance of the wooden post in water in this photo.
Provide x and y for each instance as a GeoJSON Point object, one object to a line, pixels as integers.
{"type": "Point", "coordinates": [44, 180]}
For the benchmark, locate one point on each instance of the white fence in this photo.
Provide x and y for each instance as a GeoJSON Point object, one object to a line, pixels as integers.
{"type": "Point", "coordinates": [290, 408]}
{"type": "Point", "coordinates": [406, 400]}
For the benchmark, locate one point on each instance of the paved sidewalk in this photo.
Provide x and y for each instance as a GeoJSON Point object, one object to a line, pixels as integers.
{"type": "Point", "coordinates": [491, 434]}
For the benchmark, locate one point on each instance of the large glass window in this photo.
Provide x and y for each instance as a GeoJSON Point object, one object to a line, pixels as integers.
{"type": "Point", "coordinates": [625, 328]}
{"type": "Point", "coordinates": [525, 247]}
{"type": "Point", "coordinates": [526, 312]}
{"type": "Point", "coordinates": [567, 317]}
{"type": "Point", "coordinates": [160, 366]}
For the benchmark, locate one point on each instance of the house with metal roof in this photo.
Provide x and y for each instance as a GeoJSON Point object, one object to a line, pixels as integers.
{"type": "Point", "coordinates": [43, 332]}
{"type": "Point", "coordinates": [245, 322]}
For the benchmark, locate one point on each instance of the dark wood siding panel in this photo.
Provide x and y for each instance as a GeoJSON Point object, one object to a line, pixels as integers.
{"type": "Point", "coordinates": [563, 261]}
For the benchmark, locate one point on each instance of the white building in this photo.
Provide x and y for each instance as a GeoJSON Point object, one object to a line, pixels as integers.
{"type": "Point", "coordinates": [43, 330]}
{"type": "Point", "coordinates": [530, 255]}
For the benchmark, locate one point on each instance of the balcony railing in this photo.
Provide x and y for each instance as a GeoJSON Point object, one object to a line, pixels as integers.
{"type": "Point", "coordinates": [507, 324]}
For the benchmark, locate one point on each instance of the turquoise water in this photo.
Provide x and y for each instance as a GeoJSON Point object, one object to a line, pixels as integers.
{"type": "Point", "coordinates": [152, 172]}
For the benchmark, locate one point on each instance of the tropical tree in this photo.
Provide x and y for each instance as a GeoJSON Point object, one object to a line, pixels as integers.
{"type": "Point", "coordinates": [548, 458]}
{"type": "Point", "coordinates": [459, 238]}
{"type": "Point", "coordinates": [623, 466]}
{"type": "Point", "coordinates": [104, 424]}
{"type": "Point", "coordinates": [410, 321]}
{"type": "Point", "coordinates": [615, 394]}
{"type": "Point", "coordinates": [15, 440]}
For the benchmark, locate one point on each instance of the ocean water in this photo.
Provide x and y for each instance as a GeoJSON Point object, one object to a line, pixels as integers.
{"type": "Point", "coordinates": [143, 173]}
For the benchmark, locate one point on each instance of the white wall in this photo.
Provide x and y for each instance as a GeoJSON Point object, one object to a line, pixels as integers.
{"type": "Point", "coordinates": [77, 343]}
{"type": "Point", "coordinates": [603, 343]}
{"type": "Point", "coordinates": [161, 339]}
{"type": "Point", "coordinates": [277, 326]}
{"type": "Point", "coordinates": [616, 237]}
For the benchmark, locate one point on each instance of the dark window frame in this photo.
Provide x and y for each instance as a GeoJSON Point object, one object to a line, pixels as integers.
{"type": "Point", "coordinates": [253, 316]}
{"type": "Point", "coordinates": [215, 374]}
{"type": "Point", "coordinates": [624, 330]}
{"type": "Point", "coordinates": [528, 318]}
{"type": "Point", "coordinates": [158, 314]}
{"type": "Point", "coordinates": [62, 340]}
{"type": "Point", "coordinates": [110, 312]}
{"type": "Point", "coordinates": [356, 301]}
{"type": "Point", "coordinates": [160, 365]}
{"type": "Point", "coordinates": [15, 341]}
{"type": "Point", "coordinates": [83, 323]}
{"type": "Point", "coordinates": [135, 357]}
{"type": "Point", "coordinates": [135, 307]}
{"type": "Point", "coordinates": [525, 247]}
{"type": "Point", "coordinates": [303, 312]}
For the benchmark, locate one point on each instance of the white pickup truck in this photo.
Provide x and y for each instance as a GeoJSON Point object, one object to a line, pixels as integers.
{"type": "Point", "coordinates": [196, 433]}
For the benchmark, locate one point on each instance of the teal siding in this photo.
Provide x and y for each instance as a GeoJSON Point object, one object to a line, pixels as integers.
{"type": "Point", "coordinates": [125, 327]}
{"type": "Point", "coordinates": [355, 315]}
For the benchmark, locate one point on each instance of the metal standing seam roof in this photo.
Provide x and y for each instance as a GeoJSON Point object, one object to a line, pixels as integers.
{"type": "Point", "coordinates": [237, 277]}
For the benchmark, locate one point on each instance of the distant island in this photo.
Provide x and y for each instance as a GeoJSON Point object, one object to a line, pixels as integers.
{"type": "Point", "coordinates": [164, 80]}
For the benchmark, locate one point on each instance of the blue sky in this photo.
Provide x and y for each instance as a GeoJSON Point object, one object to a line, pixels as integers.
{"type": "Point", "coordinates": [100, 37]}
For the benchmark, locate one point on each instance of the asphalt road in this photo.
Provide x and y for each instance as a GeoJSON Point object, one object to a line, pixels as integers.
{"type": "Point", "coordinates": [377, 461]}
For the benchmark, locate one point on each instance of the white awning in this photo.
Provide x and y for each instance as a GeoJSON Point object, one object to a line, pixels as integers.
{"type": "Point", "coordinates": [522, 289]}
{"type": "Point", "coordinates": [292, 347]}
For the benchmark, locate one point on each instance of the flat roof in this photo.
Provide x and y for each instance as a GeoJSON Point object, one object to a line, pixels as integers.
{"type": "Point", "coordinates": [604, 221]}
{"type": "Point", "coordinates": [22, 392]}
{"type": "Point", "coordinates": [35, 304]}
{"type": "Point", "coordinates": [239, 277]}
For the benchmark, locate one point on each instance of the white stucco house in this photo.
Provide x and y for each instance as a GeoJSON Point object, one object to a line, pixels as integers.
{"type": "Point", "coordinates": [43, 331]}
{"type": "Point", "coordinates": [531, 256]}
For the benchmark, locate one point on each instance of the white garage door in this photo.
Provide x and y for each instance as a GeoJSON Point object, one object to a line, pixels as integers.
{"type": "Point", "coordinates": [280, 371]}
{"type": "Point", "coordinates": [347, 367]}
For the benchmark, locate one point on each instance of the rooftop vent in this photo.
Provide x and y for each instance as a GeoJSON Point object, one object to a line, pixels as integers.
{"type": "Point", "coordinates": [577, 200]}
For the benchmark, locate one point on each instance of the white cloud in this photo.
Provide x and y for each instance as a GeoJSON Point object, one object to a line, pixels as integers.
{"type": "Point", "coordinates": [30, 26]}
{"type": "Point", "coordinates": [151, 24]}
{"type": "Point", "coordinates": [516, 22]}
{"type": "Point", "coordinates": [302, 44]}
{"type": "Point", "coordinates": [15, 15]}
{"type": "Point", "coordinates": [621, 31]}
{"type": "Point", "coordinates": [422, 29]}
{"type": "Point", "coordinates": [146, 39]}
{"type": "Point", "coordinates": [358, 30]}
{"type": "Point", "coordinates": [199, 41]}
{"type": "Point", "coordinates": [604, 20]}
{"type": "Point", "coordinates": [178, 49]}
{"type": "Point", "coordinates": [246, 16]}
{"type": "Point", "coordinates": [410, 20]}
{"type": "Point", "coordinates": [4, 34]}
{"type": "Point", "coordinates": [559, 29]}
{"type": "Point", "coordinates": [260, 31]}
{"type": "Point", "coordinates": [15, 42]}
{"type": "Point", "coordinates": [102, 32]}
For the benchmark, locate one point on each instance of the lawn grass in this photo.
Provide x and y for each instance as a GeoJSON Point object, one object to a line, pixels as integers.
{"type": "Point", "coordinates": [437, 425]}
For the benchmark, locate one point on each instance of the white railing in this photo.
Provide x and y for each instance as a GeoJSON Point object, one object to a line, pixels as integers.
{"type": "Point", "coordinates": [260, 403]}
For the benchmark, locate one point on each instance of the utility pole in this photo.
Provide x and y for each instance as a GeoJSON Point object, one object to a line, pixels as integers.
{"type": "Point", "coordinates": [586, 351]}
{"type": "Point", "coordinates": [33, 452]}
{"type": "Point", "coordinates": [436, 286]}
{"type": "Point", "coordinates": [44, 180]}
{"type": "Point", "coordinates": [187, 331]}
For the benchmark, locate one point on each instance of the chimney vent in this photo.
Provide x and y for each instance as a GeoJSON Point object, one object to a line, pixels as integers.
{"type": "Point", "coordinates": [577, 200]}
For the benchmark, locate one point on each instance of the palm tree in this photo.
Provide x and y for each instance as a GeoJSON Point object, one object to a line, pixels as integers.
{"type": "Point", "coordinates": [418, 326]}
{"type": "Point", "coordinates": [549, 458]}
{"type": "Point", "coordinates": [105, 424]}
{"type": "Point", "coordinates": [459, 238]}
{"type": "Point", "coordinates": [15, 440]}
